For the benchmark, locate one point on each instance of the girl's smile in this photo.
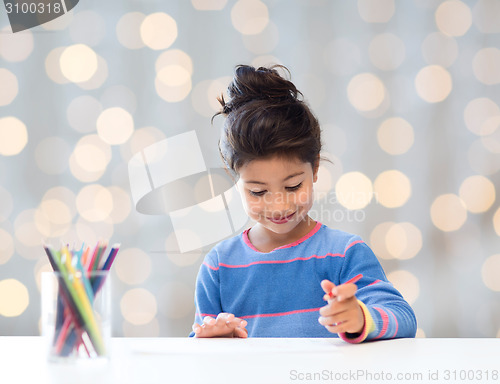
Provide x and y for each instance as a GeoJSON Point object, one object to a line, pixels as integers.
{"type": "Point", "coordinates": [281, 219]}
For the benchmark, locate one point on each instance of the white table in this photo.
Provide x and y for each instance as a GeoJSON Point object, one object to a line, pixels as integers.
{"type": "Point", "coordinates": [260, 361]}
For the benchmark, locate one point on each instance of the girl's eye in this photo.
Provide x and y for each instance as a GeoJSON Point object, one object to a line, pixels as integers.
{"type": "Point", "coordinates": [294, 188]}
{"type": "Point", "coordinates": [257, 193]}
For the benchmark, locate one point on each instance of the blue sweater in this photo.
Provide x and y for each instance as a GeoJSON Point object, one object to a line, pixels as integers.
{"type": "Point", "coordinates": [279, 293]}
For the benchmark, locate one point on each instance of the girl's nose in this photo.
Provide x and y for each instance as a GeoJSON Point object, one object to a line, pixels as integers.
{"type": "Point", "coordinates": [279, 205]}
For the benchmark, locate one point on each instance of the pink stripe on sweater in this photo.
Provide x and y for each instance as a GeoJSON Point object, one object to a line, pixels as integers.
{"type": "Point", "coordinates": [353, 243]}
{"type": "Point", "coordinates": [397, 325]}
{"type": "Point", "coordinates": [209, 266]}
{"type": "Point", "coordinates": [281, 261]}
{"type": "Point", "coordinates": [385, 322]}
{"type": "Point", "coordinates": [247, 241]}
{"type": "Point", "coordinates": [205, 314]}
{"type": "Point", "coordinates": [280, 314]}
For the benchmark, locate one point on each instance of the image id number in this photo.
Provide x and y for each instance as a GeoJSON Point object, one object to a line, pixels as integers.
{"type": "Point", "coordinates": [40, 8]}
{"type": "Point", "coordinates": [471, 375]}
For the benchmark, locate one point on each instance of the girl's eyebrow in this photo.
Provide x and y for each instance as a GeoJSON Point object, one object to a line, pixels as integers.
{"type": "Point", "coordinates": [285, 179]}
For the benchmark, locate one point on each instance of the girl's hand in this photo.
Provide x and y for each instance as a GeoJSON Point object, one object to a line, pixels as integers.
{"type": "Point", "coordinates": [342, 313]}
{"type": "Point", "coordinates": [225, 325]}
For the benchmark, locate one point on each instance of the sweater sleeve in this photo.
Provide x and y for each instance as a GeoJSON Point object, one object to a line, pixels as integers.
{"type": "Point", "coordinates": [387, 314]}
{"type": "Point", "coordinates": [207, 292]}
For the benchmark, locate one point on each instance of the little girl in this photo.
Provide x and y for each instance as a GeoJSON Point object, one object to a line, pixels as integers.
{"type": "Point", "coordinates": [274, 278]}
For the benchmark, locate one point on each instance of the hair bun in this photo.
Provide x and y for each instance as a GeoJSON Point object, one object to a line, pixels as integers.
{"type": "Point", "coordinates": [250, 84]}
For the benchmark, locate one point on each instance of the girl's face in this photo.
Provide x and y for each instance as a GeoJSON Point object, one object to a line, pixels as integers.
{"type": "Point", "coordinates": [277, 192]}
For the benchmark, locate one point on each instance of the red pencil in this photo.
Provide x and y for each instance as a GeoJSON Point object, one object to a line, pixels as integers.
{"type": "Point", "coordinates": [355, 279]}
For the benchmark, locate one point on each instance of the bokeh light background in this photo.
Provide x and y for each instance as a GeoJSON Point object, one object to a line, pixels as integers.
{"type": "Point", "coordinates": [407, 92]}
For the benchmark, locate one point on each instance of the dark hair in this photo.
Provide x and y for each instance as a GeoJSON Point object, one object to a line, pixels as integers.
{"type": "Point", "coordinates": [265, 117]}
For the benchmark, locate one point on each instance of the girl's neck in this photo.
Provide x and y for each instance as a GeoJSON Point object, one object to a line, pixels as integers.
{"type": "Point", "coordinates": [265, 240]}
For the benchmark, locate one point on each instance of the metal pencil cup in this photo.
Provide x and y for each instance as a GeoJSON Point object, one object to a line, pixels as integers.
{"type": "Point", "coordinates": [76, 315]}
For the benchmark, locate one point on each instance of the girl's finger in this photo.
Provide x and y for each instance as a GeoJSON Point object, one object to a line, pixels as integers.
{"type": "Point", "coordinates": [332, 320]}
{"type": "Point", "coordinates": [208, 320]}
{"type": "Point", "coordinates": [236, 323]}
{"type": "Point", "coordinates": [327, 286]}
{"type": "Point", "coordinates": [224, 317]}
{"type": "Point", "coordinates": [342, 328]}
{"type": "Point", "coordinates": [334, 328]}
{"type": "Point", "coordinates": [241, 332]}
{"type": "Point", "coordinates": [344, 291]}
{"type": "Point", "coordinates": [333, 308]}
{"type": "Point", "coordinates": [329, 297]}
